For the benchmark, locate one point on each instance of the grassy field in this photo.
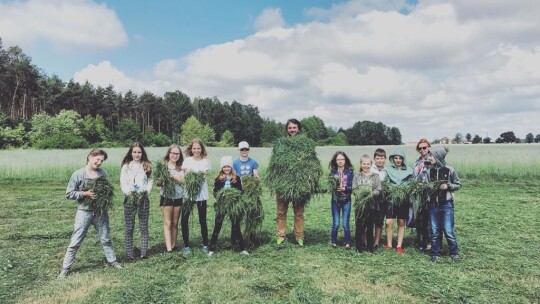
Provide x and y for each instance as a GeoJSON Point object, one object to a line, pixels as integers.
{"type": "Point", "coordinates": [500, 161]}
{"type": "Point", "coordinates": [496, 225]}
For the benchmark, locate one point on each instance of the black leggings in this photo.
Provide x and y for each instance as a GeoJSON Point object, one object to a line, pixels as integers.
{"type": "Point", "coordinates": [422, 227]}
{"type": "Point", "coordinates": [364, 224]}
{"type": "Point", "coordinates": [236, 232]}
{"type": "Point", "coordinates": [201, 209]}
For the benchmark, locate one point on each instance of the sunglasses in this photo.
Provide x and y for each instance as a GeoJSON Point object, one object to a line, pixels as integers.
{"type": "Point", "coordinates": [422, 148]}
{"type": "Point", "coordinates": [244, 149]}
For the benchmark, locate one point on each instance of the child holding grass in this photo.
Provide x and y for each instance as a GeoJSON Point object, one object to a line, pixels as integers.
{"type": "Point", "coordinates": [365, 217]}
{"type": "Point", "coordinates": [341, 169]}
{"type": "Point", "coordinates": [86, 214]}
{"type": "Point", "coordinates": [441, 210]}
{"type": "Point", "coordinates": [225, 179]}
{"type": "Point", "coordinates": [171, 204]}
{"type": "Point", "coordinates": [196, 161]}
{"type": "Point", "coordinates": [379, 159]}
{"type": "Point", "coordinates": [397, 174]}
{"type": "Point", "coordinates": [136, 185]}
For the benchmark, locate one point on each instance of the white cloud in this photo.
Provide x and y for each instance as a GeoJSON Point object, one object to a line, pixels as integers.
{"type": "Point", "coordinates": [269, 18]}
{"type": "Point", "coordinates": [440, 69]}
{"type": "Point", "coordinates": [64, 24]}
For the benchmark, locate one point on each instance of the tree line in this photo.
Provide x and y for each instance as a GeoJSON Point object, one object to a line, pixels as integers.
{"type": "Point", "coordinates": [42, 111]}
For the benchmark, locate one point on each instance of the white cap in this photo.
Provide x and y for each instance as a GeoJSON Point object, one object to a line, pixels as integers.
{"type": "Point", "coordinates": [243, 145]}
{"type": "Point", "coordinates": [226, 161]}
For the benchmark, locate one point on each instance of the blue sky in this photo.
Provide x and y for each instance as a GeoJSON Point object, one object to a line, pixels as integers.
{"type": "Point", "coordinates": [432, 68]}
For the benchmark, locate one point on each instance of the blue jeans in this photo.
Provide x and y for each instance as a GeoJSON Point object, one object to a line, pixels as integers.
{"type": "Point", "coordinates": [337, 210]}
{"type": "Point", "coordinates": [442, 220]}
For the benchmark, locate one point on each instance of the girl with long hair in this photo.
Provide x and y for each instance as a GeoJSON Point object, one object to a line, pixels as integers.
{"type": "Point", "coordinates": [136, 184]}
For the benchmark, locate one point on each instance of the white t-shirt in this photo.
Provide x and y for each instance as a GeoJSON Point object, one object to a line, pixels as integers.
{"type": "Point", "coordinates": [202, 165]}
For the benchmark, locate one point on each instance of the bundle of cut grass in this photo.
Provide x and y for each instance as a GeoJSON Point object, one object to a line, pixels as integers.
{"type": "Point", "coordinates": [254, 212]}
{"type": "Point", "coordinates": [194, 183]}
{"type": "Point", "coordinates": [161, 172]}
{"type": "Point", "coordinates": [136, 199]}
{"type": "Point", "coordinates": [363, 199]}
{"type": "Point", "coordinates": [400, 195]}
{"type": "Point", "coordinates": [104, 194]}
{"type": "Point", "coordinates": [294, 170]}
{"type": "Point", "coordinates": [433, 189]}
{"type": "Point", "coordinates": [332, 183]}
{"type": "Point", "coordinates": [228, 201]}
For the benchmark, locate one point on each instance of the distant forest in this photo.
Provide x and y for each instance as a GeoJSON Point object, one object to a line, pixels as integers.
{"type": "Point", "coordinates": [42, 111]}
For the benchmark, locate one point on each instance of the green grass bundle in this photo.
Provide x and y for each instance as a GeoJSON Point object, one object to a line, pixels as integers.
{"type": "Point", "coordinates": [229, 201]}
{"type": "Point", "coordinates": [161, 173]}
{"type": "Point", "coordinates": [400, 195]}
{"type": "Point", "coordinates": [194, 183]}
{"type": "Point", "coordinates": [104, 194]}
{"type": "Point", "coordinates": [332, 183]}
{"type": "Point", "coordinates": [136, 199]}
{"type": "Point", "coordinates": [363, 199]}
{"type": "Point", "coordinates": [294, 170]}
{"type": "Point", "coordinates": [254, 212]}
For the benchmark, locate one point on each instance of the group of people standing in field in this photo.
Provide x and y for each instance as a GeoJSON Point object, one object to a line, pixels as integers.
{"type": "Point", "coordinates": [136, 184]}
{"type": "Point", "coordinates": [434, 217]}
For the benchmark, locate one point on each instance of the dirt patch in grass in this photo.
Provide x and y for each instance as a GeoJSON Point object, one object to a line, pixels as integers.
{"type": "Point", "coordinates": [75, 289]}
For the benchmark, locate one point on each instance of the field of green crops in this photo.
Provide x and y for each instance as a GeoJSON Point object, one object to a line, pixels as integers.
{"type": "Point", "coordinates": [496, 224]}
{"type": "Point", "coordinates": [470, 160]}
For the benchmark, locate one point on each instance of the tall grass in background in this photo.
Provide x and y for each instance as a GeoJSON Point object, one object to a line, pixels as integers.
{"type": "Point", "coordinates": [471, 161]}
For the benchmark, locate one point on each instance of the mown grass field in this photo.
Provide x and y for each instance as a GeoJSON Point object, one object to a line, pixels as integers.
{"type": "Point", "coordinates": [496, 223]}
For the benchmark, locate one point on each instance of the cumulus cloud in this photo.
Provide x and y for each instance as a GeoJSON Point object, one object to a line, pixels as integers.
{"type": "Point", "coordinates": [432, 70]}
{"type": "Point", "coordinates": [269, 18]}
{"type": "Point", "coordinates": [64, 24]}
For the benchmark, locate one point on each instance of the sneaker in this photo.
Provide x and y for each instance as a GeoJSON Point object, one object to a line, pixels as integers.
{"type": "Point", "coordinates": [244, 252]}
{"type": "Point", "coordinates": [300, 242]}
{"type": "Point", "coordinates": [376, 247]}
{"type": "Point", "coordinates": [348, 246]}
{"type": "Point", "coordinates": [63, 273]}
{"type": "Point", "coordinates": [116, 265]}
{"type": "Point", "coordinates": [144, 257]}
{"type": "Point", "coordinates": [210, 253]}
{"type": "Point", "coordinates": [204, 249]}
{"type": "Point", "coordinates": [455, 257]}
{"type": "Point", "coordinates": [435, 259]}
{"type": "Point", "coordinates": [400, 250]}
{"type": "Point", "coordinates": [386, 247]}
{"type": "Point", "coordinates": [334, 245]}
{"type": "Point", "coordinates": [280, 240]}
{"type": "Point", "coordinates": [186, 251]}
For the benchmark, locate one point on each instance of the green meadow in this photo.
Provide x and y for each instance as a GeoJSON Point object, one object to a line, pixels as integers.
{"type": "Point", "coordinates": [496, 224]}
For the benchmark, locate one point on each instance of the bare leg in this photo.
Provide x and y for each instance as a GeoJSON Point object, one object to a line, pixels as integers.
{"type": "Point", "coordinates": [174, 226]}
{"type": "Point", "coordinates": [389, 231]}
{"type": "Point", "coordinates": [378, 232]}
{"type": "Point", "coordinates": [400, 232]}
{"type": "Point", "coordinates": [167, 213]}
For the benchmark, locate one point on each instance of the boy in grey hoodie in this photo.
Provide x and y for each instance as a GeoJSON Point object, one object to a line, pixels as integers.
{"type": "Point", "coordinates": [441, 209]}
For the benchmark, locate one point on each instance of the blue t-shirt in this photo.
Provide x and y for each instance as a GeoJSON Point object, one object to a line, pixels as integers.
{"type": "Point", "coordinates": [245, 168]}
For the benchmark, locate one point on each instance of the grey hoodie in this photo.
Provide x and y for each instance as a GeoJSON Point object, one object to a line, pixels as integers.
{"type": "Point", "coordinates": [443, 172]}
{"type": "Point", "coordinates": [75, 187]}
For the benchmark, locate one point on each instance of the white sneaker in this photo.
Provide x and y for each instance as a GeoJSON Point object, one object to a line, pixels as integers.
{"type": "Point", "coordinates": [63, 274]}
{"type": "Point", "coordinates": [244, 252]}
{"type": "Point", "coordinates": [210, 253]}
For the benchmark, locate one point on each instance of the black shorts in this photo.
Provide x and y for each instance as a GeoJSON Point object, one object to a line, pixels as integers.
{"type": "Point", "coordinates": [401, 212]}
{"type": "Point", "coordinates": [388, 209]}
{"type": "Point", "coordinates": [169, 202]}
